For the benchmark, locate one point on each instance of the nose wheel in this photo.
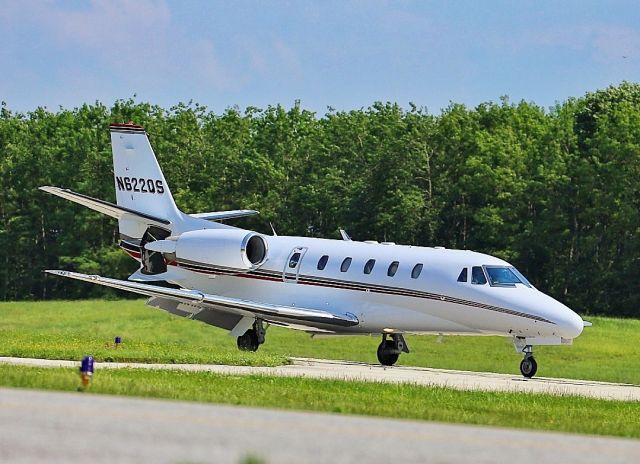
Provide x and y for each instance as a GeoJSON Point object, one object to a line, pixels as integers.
{"type": "Point", "coordinates": [528, 366]}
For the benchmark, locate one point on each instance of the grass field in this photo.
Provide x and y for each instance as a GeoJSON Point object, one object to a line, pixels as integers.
{"type": "Point", "coordinates": [543, 412]}
{"type": "Point", "coordinates": [608, 351]}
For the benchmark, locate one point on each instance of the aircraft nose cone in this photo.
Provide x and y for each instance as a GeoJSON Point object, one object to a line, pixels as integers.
{"type": "Point", "coordinates": [570, 324]}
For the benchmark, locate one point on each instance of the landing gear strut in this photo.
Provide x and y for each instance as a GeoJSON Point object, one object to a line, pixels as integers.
{"type": "Point", "coordinates": [389, 350]}
{"type": "Point", "coordinates": [528, 366]}
{"type": "Point", "coordinates": [252, 338]}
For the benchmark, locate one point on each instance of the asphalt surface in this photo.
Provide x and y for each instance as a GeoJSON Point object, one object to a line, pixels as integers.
{"type": "Point", "coordinates": [49, 427]}
{"type": "Point", "coordinates": [345, 370]}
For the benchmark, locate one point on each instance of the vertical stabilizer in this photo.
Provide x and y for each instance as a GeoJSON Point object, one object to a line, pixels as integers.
{"type": "Point", "coordinates": [140, 184]}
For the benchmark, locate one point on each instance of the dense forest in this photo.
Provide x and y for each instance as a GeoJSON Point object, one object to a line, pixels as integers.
{"type": "Point", "coordinates": [554, 191]}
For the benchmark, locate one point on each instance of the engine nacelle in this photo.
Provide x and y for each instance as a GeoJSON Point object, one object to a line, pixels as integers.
{"type": "Point", "coordinates": [229, 248]}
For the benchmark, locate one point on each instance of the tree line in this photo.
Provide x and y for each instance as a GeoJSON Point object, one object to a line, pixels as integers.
{"type": "Point", "coordinates": [554, 191]}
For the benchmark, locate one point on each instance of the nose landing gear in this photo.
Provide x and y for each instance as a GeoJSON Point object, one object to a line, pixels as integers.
{"type": "Point", "coordinates": [389, 350]}
{"type": "Point", "coordinates": [528, 366]}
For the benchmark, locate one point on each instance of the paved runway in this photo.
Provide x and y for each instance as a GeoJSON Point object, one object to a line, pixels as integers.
{"type": "Point", "coordinates": [344, 370]}
{"type": "Point", "coordinates": [44, 427]}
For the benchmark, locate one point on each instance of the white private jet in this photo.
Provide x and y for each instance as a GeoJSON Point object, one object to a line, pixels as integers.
{"type": "Point", "coordinates": [242, 280]}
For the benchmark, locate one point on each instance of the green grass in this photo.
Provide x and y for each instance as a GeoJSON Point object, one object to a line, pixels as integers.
{"type": "Point", "coordinates": [543, 412]}
{"type": "Point", "coordinates": [608, 351]}
{"type": "Point", "coordinates": [72, 329]}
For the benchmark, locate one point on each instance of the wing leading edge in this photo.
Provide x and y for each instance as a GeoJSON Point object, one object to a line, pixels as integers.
{"type": "Point", "coordinates": [233, 305]}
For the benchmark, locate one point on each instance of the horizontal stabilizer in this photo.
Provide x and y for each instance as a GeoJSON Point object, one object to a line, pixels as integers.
{"type": "Point", "coordinates": [222, 215]}
{"type": "Point", "coordinates": [102, 206]}
{"type": "Point", "coordinates": [233, 305]}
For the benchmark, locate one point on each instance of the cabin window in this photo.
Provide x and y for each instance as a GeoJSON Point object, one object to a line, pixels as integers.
{"type": "Point", "coordinates": [393, 268]}
{"type": "Point", "coordinates": [502, 276]}
{"type": "Point", "coordinates": [463, 275]}
{"type": "Point", "coordinates": [344, 267]}
{"type": "Point", "coordinates": [368, 267]}
{"type": "Point", "coordinates": [417, 269]}
{"type": "Point", "coordinates": [293, 261]}
{"type": "Point", "coordinates": [477, 276]}
{"type": "Point", "coordinates": [322, 263]}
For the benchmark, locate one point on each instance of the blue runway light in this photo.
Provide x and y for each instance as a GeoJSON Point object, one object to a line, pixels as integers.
{"type": "Point", "coordinates": [86, 370]}
{"type": "Point", "coordinates": [117, 341]}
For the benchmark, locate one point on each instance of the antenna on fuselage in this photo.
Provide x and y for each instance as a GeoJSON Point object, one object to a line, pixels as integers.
{"type": "Point", "coordinates": [273, 230]}
{"type": "Point", "coordinates": [345, 235]}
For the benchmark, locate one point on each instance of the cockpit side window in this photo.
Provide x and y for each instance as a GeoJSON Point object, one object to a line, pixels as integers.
{"type": "Point", "coordinates": [477, 276]}
{"type": "Point", "coordinates": [463, 275]}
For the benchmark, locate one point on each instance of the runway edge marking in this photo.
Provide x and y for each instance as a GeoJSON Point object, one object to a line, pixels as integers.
{"type": "Point", "coordinates": [357, 371]}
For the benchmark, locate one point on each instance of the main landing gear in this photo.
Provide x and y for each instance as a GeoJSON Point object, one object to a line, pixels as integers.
{"type": "Point", "coordinates": [252, 338]}
{"type": "Point", "coordinates": [389, 349]}
{"type": "Point", "coordinates": [528, 366]}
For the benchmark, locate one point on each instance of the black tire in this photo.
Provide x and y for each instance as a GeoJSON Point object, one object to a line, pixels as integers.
{"type": "Point", "coordinates": [248, 341]}
{"type": "Point", "coordinates": [528, 367]}
{"type": "Point", "coordinates": [385, 356]}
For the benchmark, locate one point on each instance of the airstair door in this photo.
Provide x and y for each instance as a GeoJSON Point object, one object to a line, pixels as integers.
{"type": "Point", "coordinates": [291, 269]}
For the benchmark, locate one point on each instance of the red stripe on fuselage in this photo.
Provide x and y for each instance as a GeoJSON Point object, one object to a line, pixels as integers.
{"type": "Point", "coordinates": [133, 254]}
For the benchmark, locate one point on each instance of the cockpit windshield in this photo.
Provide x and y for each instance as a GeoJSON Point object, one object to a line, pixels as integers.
{"type": "Point", "coordinates": [505, 276]}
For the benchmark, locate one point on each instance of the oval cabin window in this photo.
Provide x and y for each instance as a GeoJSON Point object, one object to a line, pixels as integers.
{"type": "Point", "coordinates": [369, 266]}
{"type": "Point", "coordinates": [322, 263]}
{"type": "Point", "coordinates": [393, 268]}
{"type": "Point", "coordinates": [417, 269]}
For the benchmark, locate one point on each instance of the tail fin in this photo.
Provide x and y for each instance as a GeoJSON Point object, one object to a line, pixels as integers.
{"type": "Point", "coordinates": [144, 204]}
{"type": "Point", "coordinates": [140, 184]}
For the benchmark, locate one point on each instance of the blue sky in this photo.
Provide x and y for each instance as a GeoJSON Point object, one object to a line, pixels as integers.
{"type": "Point", "coordinates": [343, 54]}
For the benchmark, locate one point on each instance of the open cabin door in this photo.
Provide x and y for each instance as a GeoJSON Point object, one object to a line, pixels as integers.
{"type": "Point", "coordinates": [292, 265]}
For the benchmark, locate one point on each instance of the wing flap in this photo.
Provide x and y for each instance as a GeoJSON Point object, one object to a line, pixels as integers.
{"type": "Point", "coordinates": [234, 305]}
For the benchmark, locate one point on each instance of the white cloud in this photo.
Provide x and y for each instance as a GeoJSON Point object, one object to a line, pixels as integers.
{"type": "Point", "coordinates": [286, 56]}
{"type": "Point", "coordinates": [135, 42]}
{"type": "Point", "coordinates": [604, 42]}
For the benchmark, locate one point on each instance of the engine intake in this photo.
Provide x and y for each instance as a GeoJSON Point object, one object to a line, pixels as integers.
{"type": "Point", "coordinates": [255, 249]}
{"type": "Point", "coordinates": [228, 248]}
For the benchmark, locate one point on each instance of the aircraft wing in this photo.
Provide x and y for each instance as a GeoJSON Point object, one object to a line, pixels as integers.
{"type": "Point", "coordinates": [233, 305]}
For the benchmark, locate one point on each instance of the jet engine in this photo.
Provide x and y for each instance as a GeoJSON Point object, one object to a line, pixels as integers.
{"type": "Point", "coordinates": [227, 248]}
